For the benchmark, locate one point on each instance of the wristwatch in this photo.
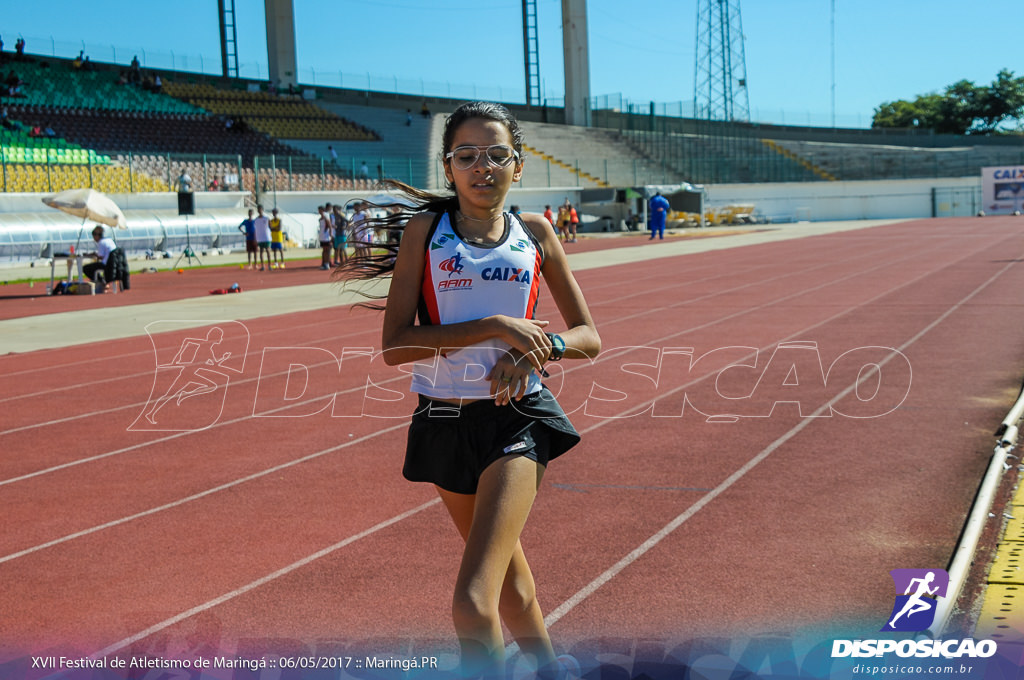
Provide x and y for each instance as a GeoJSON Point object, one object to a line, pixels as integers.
{"type": "Point", "coordinates": [557, 347]}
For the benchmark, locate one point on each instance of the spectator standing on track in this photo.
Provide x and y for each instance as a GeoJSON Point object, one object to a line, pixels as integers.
{"type": "Point", "coordinates": [340, 236]}
{"type": "Point", "coordinates": [262, 227]}
{"type": "Point", "coordinates": [549, 216]}
{"type": "Point", "coordinates": [248, 227]}
{"type": "Point", "coordinates": [362, 232]}
{"type": "Point", "coordinates": [484, 442]}
{"type": "Point", "coordinates": [659, 208]}
{"type": "Point", "coordinates": [276, 241]}
{"type": "Point", "coordinates": [330, 212]}
{"type": "Point", "coordinates": [562, 221]}
{"type": "Point", "coordinates": [326, 237]}
{"type": "Point", "coordinates": [574, 221]}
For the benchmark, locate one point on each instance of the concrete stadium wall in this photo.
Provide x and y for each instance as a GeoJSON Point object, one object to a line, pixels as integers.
{"type": "Point", "coordinates": [814, 201]}
{"type": "Point", "coordinates": [817, 201]}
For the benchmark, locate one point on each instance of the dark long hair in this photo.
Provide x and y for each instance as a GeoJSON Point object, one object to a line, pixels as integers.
{"type": "Point", "coordinates": [383, 263]}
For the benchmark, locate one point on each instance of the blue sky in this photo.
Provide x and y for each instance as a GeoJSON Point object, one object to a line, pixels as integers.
{"type": "Point", "coordinates": [643, 50]}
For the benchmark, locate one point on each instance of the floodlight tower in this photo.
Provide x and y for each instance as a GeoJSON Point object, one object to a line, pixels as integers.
{"type": "Point", "coordinates": [531, 53]}
{"type": "Point", "coordinates": [720, 83]}
{"type": "Point", "coordinates": [228, 38]}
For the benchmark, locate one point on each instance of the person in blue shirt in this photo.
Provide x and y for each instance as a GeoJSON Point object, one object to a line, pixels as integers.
{"type": "Point", "coordinates": [658, 208]}
{"type": "Point", "coordinates": [248, 227]}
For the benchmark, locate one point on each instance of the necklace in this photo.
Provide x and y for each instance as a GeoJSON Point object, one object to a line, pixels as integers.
{"type": "Point", "coordinates": [489, 222]}
{"type": "Point", "coordinates": [464, 216]}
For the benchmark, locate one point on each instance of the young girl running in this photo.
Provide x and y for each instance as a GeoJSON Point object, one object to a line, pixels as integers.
{"type": "Point", "coordinates": [468, 273]}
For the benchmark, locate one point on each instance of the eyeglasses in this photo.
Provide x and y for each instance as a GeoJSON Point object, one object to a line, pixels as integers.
{"type": "Point", "coordinates": [465, 157]}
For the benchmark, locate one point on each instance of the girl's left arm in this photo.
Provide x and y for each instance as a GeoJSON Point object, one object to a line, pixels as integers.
{"type": "Point", "coordinates": [581, 337]}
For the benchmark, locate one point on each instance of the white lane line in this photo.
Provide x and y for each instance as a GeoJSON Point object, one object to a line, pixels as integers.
{"type": "Point", "coordinates": [284, 571]}
{"type": "Point", "coordinates": [131, 377]}
{"type": "Point", "coordinates": [581, 595]}
{"type": "Point", "coordinates": [120, 356]}
{"type": "Point", "coordinates": [665, 531]}
{"type": "Point", "coordinates": [184, 500]}
{"type": "Point", "coordinates": [194, 497]}
{"type": "Point", "coordinates": [649, 310]}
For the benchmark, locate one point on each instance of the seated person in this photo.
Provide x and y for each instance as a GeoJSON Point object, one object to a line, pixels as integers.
{"type": "Point", "coordinates": [104, 246]}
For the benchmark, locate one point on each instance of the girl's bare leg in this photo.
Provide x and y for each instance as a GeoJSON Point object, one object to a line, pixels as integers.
{"type": "Point", "coordinates": [495, 582]}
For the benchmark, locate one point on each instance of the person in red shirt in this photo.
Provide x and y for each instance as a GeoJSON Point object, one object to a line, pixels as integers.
{"type": "Point", "coordinates": [574, 220]}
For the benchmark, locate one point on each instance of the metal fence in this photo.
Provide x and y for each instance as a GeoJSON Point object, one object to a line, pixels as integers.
{"type": "Point", "coordinates": [128, 172]}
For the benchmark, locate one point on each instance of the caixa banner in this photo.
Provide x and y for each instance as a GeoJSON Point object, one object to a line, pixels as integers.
{"type": "Point", "coordinates": [1002, 190]}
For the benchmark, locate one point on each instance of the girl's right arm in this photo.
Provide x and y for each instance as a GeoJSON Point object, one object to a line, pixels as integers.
{"type": "Point", "coordinates": [403, 340]}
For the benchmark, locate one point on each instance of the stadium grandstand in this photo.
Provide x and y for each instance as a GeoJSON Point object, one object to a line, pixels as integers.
{"type": "Point", "coordinates": [94, 117]}
{"type": "Point", "coordinates": [107, 128]}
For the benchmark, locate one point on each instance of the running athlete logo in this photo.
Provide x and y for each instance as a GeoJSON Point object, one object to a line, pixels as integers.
{"type": "Point", "coordinates": [914, 609]}
{"type": "Point", "coordinates": [193, 371]}
{"type": "Point", "coordinates": [453, 265]}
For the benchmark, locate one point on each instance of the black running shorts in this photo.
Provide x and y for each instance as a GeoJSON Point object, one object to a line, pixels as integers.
{"type": "Point", "coordinates": [451, 446]}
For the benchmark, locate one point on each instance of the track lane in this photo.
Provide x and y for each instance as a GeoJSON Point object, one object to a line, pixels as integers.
{"type": "Point", "coordinates": [653, 513]}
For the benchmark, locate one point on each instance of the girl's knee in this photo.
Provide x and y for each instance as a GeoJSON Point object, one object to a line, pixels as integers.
{"type": "Point", "coordinates": [471, 609]}
{"type": "Point", "coordinates": [517, 597]}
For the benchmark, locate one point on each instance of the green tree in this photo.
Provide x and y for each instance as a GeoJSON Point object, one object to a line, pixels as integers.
{"type": "Point", "coordinates": [897, 114]}
{"type": "Point", "coordinates": [958, 108]}
{"type": "Point", "coordinates": [1002, 101]}
{"type": "Point", "coordinates": [963, 108]}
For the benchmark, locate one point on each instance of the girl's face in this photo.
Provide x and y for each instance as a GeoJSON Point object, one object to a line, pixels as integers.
{"type": "Point", "coordinates": [484, 184]}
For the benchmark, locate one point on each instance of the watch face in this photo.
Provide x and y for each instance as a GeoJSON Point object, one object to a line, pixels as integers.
{"type": "Point", "coordinates": [557, 346]}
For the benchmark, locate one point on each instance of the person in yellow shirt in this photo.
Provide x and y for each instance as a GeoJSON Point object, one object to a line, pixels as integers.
{"type": "Point", "coordinates": [276, 241]}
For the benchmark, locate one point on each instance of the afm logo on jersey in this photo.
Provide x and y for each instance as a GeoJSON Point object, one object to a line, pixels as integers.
{"type": "Point", "coordinates": [453, 265]}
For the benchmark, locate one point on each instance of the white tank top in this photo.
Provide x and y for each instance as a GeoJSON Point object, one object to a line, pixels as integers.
{"type": "Point", "coordinates": [465, 281]}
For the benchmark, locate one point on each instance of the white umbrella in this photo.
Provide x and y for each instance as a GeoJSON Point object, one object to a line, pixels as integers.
{"type": "Point", "coordinates": [89, 205]}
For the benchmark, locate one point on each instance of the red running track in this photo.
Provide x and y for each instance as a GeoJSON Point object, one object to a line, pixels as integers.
{"type": "Point", "coordinates": [270, 513]}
